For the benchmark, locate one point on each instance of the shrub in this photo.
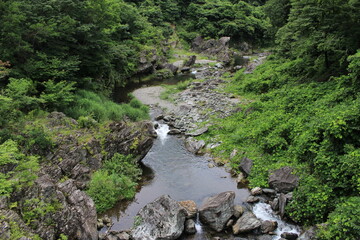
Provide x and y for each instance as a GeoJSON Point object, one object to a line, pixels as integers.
{"type": "Point", "coordinates": [87, 122]}
{"type": "Point", "coordinates": [18, 170]}
{"type": "Point", "coordinates": [106, 189]}
{"type": "Point", "coordinates": [344, 222]}
{"type": "Point", "coordinates": [115, 181]}
{"type": "Point", "coordinates": [312, 201]}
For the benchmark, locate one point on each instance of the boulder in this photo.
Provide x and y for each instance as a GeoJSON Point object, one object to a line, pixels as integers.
{"type": "Point", "coordinates": [282, 180]}
{"type": "Point", "coordinates": [252, 199]}
{"type": "Point", "coordinates": [268, 191]}
{"type": "Point", "coordinates": [282, 204]}
{"type": "Point", "coordinates": [268, 226]}
{"type": "Point", "coordinates": [309, 234]}
{"type": "Point", "coordinates": [174, 131]}
{"type": "Point", "coordinates": [238, 211]}
{"type": "Point", "coordinates": [274, 204]}
{"type": "Point", "coordinates": [190, 207]}
{"type": "Point", "coordinates": [190, 226]}
{"type": "Point", "coordinates": [163, 218]}
{"type": "Point", "coordinates": [246, 223]}
{"type": "Point", "coordinates": [185, 69]}
{"type": "Point", "coordinates": [197, 132]}
{"type": "Point", "coordinates": [241, 180]}
{"type": "Point", "coordinates": [245, 166]}
{"type": "Point", "coordinates": [217, 210]}
{"type": "Point", "coordinates": [123, 236]}
{"type": "Point", "coordinates": [256, 191]}
{"type": "Point", "coordinates": [193, 145]}
{"type": "Point", "coordinates": [190, 61]}
{"type": "Point", "coordinates": [289, 235]}
{"type": "Point", "coordinates": [215, 48]}
{"type": "Point", "coordinates": [170, 67]}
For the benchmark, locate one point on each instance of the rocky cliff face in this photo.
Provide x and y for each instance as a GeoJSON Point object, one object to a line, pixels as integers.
{"type": "Point", "coordinates": [57, 200]}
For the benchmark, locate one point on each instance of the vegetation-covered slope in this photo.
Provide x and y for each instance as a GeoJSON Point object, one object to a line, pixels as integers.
{"type": "Point", "coordinates": [305, 114]}
{"type": "Point", "coordinates": [64, 55]}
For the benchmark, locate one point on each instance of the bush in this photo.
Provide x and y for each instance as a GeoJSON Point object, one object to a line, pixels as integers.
{"type": "Point", "coordinates": [87, 122]}
{"type": "Point", "coordinates": [18, 170]}
{"type": "Point", "coordinates": [344, 222]}
{"type": "Point", "coordinates": [312, 201]}
{"type": "Point", "coordinates": [115, 181]}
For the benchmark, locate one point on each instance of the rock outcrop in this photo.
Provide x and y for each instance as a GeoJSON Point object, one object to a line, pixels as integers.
{"type": "Point", "coordinates": [282, 180]}
{"type": "Point", "coordinates": [163, 218]}
{"type": "Point", "coordinates": [213, 48]}
{"type": "Point", "coordinates": [65, 171]}
{"type": "Point", "coordinates": [217, 210]}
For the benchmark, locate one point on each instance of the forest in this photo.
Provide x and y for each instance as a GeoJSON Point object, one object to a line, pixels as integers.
{"type": "Point", "coordinates": [69, 55]}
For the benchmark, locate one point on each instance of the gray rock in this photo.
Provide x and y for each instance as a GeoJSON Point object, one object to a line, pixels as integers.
{"type": "Point", "coordinates": [275, 204]}
{"type": "Point", "coordinates": [217, 48]}
{"type": "Point", "coordinates": [264, 237]}
{"type": "Point", "coordinates": [190, 226]}
{"type": "Point", "coordinates": [190, 61]}
{"type": "Point", "coordinates": [100, 224]}
{"type": "Point", "coordinates": [289, 236]}
{"type": "Point", "coordinates": [245, 166]}
{"type": "Point", "coordinates": [197, 132]}
{"type": "Point", "coordinates": [241, 180]}
{"type": "Point", "coordinates": [170, 67]}
{"type": "Point", "coordinates": [111, 237]}
{"type": "Point", "coordinates": [211, 165]}
{"type": "Point", "coordinates": [269, 191]}
{"type": "Point", "coordinates": [219, 65]}
{"type": "Point", "coordinates": [123, 236]}
{"type": "Point", "coordinates": [246, 223]}
{"type": "Point", "coordinates": [193, 145]}
{"type": "Point", "coordinates": [185, 69]}
{"type": "Point", "coordinates": [159, 117]}
{"type": "Point", "coordinates": [190, 207]}
{"type": "Point", "coordinates": [309, 234]}
{"type": "Point", "coordinates": [4, 202]}
{"type": "Point", "coordinates": [217, 210]}
{"type": "Point", "coordinates": [282, 204]}
{"type": "Point", "coordinates": [163, 218]}
{"type": "Point", "coordinates": [282, 180]}
{"type": "Point", "coordinates": [256, 191]}
{"type": "Point", "coordinates": [252, 199]}
{"type": "Point", "coordinates": [268, 226]}
{"type": "Point", "coordinates": [174, 131]}
{"type": "Point", "coordinates": [238, 211]}
{"type": "Point", "coordinates": [230, 223]}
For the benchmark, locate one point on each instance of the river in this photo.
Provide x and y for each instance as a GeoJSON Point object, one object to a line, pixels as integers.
{"type": "Point", "coordinates": [170, 169]}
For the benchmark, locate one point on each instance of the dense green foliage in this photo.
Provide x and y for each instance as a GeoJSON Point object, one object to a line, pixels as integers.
{"type": "Point", "coordinates": [305, 113]}
{"type": "Point", "coordinates": [67, 55]}
{"type": "Point", "coordinates": [89, 42]}
{"type": "Point", "coordinates": [17, 169]}
{"type": "Point", "coordinates": [115, 181]}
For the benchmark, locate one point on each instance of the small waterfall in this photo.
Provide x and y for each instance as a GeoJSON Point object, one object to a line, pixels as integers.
{"type": "Point", "coordinates": [162, 131]}
{"type": "Point", "coordinates": [264, 212]}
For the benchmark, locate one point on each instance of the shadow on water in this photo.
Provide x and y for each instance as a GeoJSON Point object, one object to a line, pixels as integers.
{"type": "Point", "coordinates": [121, 94]}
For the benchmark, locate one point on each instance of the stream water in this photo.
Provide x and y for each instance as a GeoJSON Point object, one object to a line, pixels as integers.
{"type": "Point", "coordinates": [170, 169]}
